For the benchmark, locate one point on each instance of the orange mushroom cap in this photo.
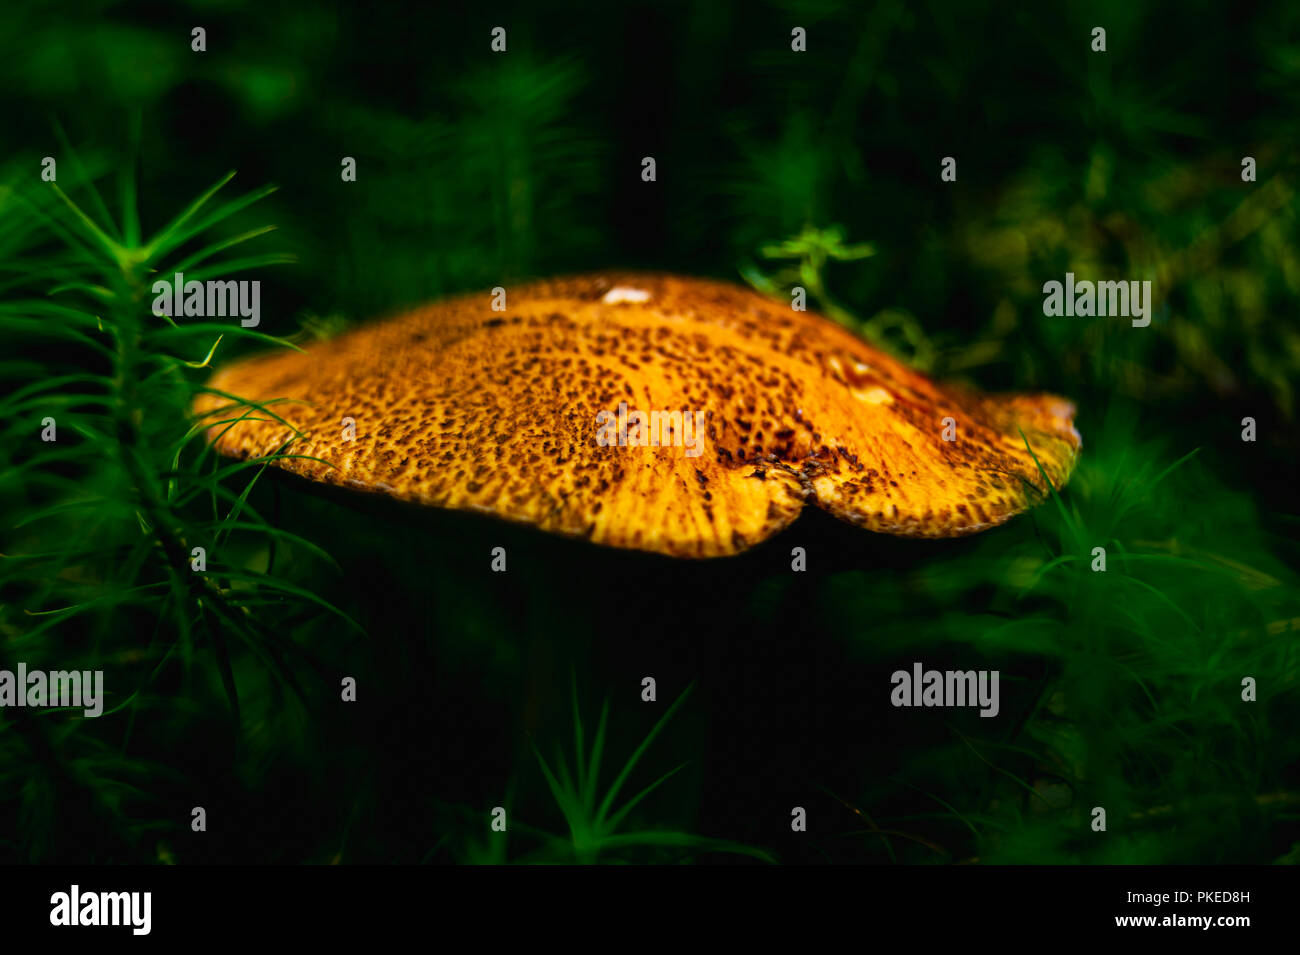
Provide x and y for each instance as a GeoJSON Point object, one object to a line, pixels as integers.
{"type": "Point", "coordinates": [460, 406]}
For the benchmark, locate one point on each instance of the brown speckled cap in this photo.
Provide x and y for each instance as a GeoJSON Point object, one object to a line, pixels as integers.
{"type": "Point", "coordinates": [460, 406]}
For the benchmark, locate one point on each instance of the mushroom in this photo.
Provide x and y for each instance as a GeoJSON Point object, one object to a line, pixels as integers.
{"type": "Point", "coordinates": [544, 413]}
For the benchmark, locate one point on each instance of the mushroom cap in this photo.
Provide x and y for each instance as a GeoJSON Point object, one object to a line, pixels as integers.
{"type": "Point", "coordinates": [460, 406]}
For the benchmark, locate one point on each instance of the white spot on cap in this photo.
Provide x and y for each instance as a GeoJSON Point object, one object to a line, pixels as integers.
{"type": "Point", "coordinates": [625, 293]}
{"type": "Point", "coordinates": [875, 396]}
